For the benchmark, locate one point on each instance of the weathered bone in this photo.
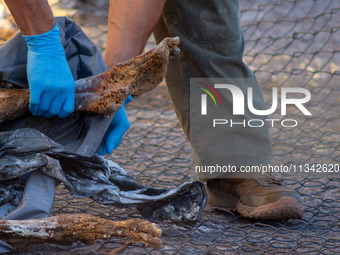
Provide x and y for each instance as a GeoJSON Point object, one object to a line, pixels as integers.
{"type": "Point", "coordinates": [104, 93]}
{"type": "Point", "coordinates": [67, 228]}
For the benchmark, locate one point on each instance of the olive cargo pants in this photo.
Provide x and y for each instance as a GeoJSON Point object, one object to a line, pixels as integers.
{"type": "Point", "coordinates": [212, 46]}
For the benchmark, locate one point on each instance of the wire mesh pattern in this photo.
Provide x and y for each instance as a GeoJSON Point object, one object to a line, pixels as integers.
{"type": "Point", "coordinates": [284, 40]}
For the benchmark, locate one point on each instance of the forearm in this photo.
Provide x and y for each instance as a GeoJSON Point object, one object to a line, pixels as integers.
{"type": "Point", "coordinates": [130, 24]}
{"type": "Point", "coordinates": [32, 16]}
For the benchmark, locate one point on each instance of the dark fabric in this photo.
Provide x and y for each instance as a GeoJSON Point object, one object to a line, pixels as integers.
{"type": "Point", "coordinates": [26, 150]}
{"type": "Point", "coordinates": [212, 46]}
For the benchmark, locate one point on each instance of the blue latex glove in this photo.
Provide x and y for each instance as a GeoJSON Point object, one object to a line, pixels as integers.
{"type": "Point", "coordinates": [50, 80]}
{"type": "Point", "coordinates": [114, 134]}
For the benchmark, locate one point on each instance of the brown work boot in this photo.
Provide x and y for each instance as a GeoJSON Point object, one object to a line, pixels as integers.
{"type": "Point", "coordinates": [261, 198]}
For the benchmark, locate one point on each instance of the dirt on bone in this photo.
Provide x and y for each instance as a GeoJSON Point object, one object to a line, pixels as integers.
{"type": "Point", "coordinates": [104, 93]}
{"type": "Point", "coordinates": [68, 228]}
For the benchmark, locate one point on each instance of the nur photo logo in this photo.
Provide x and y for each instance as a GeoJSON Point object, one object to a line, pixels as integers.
{"type": "Point", "coordinates": [285, 96]}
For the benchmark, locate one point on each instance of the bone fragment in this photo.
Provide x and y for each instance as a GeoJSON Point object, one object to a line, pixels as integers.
{"type": "Point", "coordinates": [104, 93]}
{"type": "Point", "coordinates": [68, 228]}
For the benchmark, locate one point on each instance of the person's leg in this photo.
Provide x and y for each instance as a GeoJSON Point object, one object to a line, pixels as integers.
{"type": "Point", "coordinates": [212, 46]}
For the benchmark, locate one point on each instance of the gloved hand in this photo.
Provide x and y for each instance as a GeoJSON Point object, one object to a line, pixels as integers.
{"type": "Point", "coordinates": [50, 80]}
{"type": "Point", "coordinates": [114, 134]}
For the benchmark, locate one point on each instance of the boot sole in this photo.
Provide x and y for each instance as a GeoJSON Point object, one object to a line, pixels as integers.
{"type": "Point", "coordinates": [285, 208]}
